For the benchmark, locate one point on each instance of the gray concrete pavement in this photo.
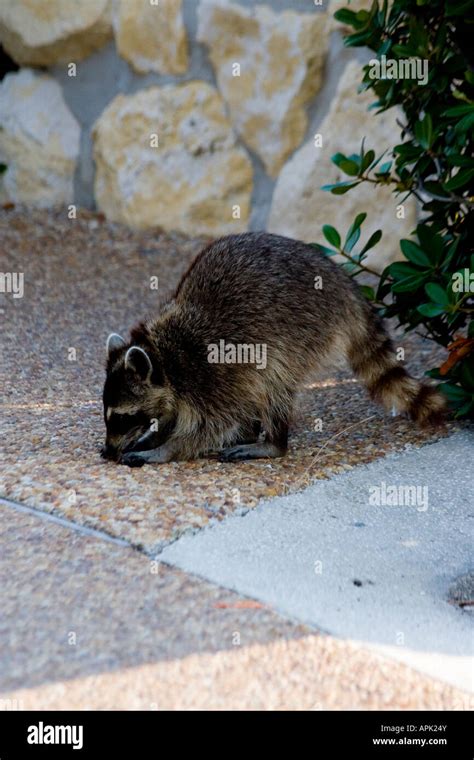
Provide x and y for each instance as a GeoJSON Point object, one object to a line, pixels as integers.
{"type": "Point", "coordinates": [89, 623]}
{"type": "Point", "coordinates": [361, 559]}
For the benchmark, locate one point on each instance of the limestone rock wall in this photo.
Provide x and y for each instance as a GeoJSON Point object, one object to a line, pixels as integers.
{"type": "Point", "coordinates": [151, 37]}
{"type": "Point", "coordinates": [268, 67]}
{"type": "Point", "coordinates": [300, 208]}
{"type": "Point", "coordinates": [45, 32]}
{"type": "Point", "coordinates": [195, 115]}
{"type": "Point", "coordinates": [39, 141]}
{"type": "Point", "coordinates": [168, 156]}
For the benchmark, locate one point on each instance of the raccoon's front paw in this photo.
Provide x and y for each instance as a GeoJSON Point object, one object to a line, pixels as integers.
{"type": "Point", "coordinates": [133, 459]}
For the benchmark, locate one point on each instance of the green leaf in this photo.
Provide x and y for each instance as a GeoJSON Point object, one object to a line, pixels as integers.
{"type": "Point", "coordinates": [408, 285]}
{"type": "Point", "coordinates": [352, 240]}
{"type": "Point", "coordinates": [430, 241]}
{"type": "Point", "coordinates": [372, 241]}
{"type": "Point", "coordinates": [414, 253]}
{"type": "Point", "coordinates": [353, 233]}
{"type": "Point", "coordinates": [466, 408]}
{"type": "Point", "coordinates": [383, 288]}
{"type": "Point", "coordinates": [430, 309]}
{"type": "Point", "coordinates": [337, 158]}
{"type": "Point", "coordinates": [437, 293]}
{"type": "Point", "coordinates": [457, 8]}
{"type": "Point", "coordinates": [408, 150]}
{"type": "Point", "coordinates": [458, 160]}
{"type": "Point", "coordinates": [326, 251]}
{"type": "Point", "coordinates": [355, 157]}
{"type": "Point", "coordinates": [424, 131]}
{"type": "Point", "coordinates": [360, 219]}
{"type": "Point", "coordinates": [340, 187]}
{"type": "Point", "coordinates": [368, 292]}
{"type": "Point", "coordinates": [346, 16]}
{"type": "Point", "coordinates": [466, 124]}
{"type": "Point", "coordinates": [362, 16]}
{"type": "Point", "coordinates": [458, 110]}
{"type": "Point", "coordinates": [451, 253]}
{"type": "Point", "coordinates": [350, 267]}
{"type": "Point", "coordinates": [357, 39]}
{"type": "Point", "coordinates": [349, 167]}
{"type": "Point", "coordinates": [332, 235]}
{"type": "Point", "coordinates": [462, 178]}
{"type": "Point", "coordinates": [361, 152]}
{"type": "Point", "coordinates": [385, 167]}
{"type": "Point", "coordinates": [454, 392]}
{"type": "Point", "coordinates": [402, 269]}
{"type": "Point", "coordinates": [437, 189]}
{"type": "Point", "coordinates": [367, 160]}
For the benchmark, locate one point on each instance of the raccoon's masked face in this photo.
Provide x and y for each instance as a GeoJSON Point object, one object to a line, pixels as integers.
{"type": "Point", "coordinates": [129, 399]}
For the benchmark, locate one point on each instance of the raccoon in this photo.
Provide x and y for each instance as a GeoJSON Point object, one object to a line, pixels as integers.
{"type": "Point", "coordinates": [187, 383]}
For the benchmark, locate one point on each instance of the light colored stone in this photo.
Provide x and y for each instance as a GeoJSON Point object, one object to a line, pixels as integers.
{"type": "Point", "coordinates": [152, 37]}
{"type": "Point", "coordinates": [46, 32]}
{"type": "Point", "coordinates": [281, 57]}
{"type": "Point", "coordinates": [300, 208]}
{"type": "Point", "coordinates": [39, 140]}
{"type": "Point", "coordinates": [195, 177]}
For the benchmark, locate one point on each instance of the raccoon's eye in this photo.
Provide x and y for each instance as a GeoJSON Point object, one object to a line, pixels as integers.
{"type": "Point", "coordinates": [122, 423]}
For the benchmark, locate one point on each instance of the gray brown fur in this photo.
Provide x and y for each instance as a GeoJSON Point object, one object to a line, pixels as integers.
{"type": "Point", "coordinates": [253, 288]}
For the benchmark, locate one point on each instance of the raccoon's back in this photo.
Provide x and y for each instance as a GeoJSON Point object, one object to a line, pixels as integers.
{"type": "Point", "coordinates": [257, 282]}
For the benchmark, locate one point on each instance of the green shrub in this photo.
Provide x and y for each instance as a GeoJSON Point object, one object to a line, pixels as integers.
{"type": "Point", "coordinates": [432, 290]}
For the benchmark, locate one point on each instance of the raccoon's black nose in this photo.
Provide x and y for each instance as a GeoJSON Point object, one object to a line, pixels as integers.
{"type": "Point", "coordinates": [108, 452]}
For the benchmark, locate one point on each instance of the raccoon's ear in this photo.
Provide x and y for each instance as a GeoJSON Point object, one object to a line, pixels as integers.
{"type": "Point", "coordinates": [114, 342]}
{"type": "Point", "coordinates": [139, 362]}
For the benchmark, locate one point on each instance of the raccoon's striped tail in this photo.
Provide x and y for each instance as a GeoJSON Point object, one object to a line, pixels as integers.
{"type": "Point", "coordinates": [374, 361]}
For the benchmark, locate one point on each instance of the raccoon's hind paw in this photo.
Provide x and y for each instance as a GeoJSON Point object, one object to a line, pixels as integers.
{"type": "Point", "coordinates": [234, 454]}
{"type": "Point", "coordinates": [263, 450]}
{"type": "Point", "coordinates": [133, 460]}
